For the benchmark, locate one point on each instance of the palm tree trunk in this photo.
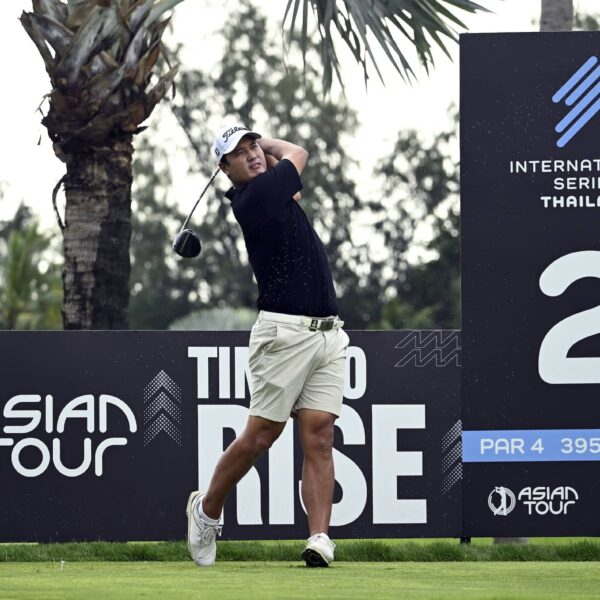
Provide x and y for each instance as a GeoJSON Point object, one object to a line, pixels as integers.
{"type": "Point", "coordinates": [557, 15]}
{"type": "Point", "coordinates": [96, 236]}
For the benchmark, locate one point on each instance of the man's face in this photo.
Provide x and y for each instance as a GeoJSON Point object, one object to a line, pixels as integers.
{"type": "Point", "coordinates": [245, 162]}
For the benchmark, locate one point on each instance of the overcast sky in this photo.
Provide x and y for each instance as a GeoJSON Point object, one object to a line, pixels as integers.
{"type": "Point", "coordinates": [30, 171]}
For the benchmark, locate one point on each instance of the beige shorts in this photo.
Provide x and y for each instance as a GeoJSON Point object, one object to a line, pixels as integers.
{"type": "Point", "coordinates": [293, 367]}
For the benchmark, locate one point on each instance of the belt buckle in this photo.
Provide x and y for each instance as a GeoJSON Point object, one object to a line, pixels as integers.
{"type": "Point", "coordinates": [314, 324]}
{"type": "Point", "coordinates": [327, 325]}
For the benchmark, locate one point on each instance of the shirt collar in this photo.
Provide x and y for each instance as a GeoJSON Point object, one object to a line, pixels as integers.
{"type": "Point", "coordinates": [233, 192]}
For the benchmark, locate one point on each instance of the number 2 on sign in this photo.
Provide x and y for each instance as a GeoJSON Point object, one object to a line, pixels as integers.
{"type": "Point", "coordinates": [553, 364]}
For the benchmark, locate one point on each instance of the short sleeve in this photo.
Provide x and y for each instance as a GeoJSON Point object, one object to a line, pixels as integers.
{"type": "Point", "coordinates": [275, 188]}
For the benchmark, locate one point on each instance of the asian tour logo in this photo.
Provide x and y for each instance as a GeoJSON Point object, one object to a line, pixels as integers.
{"type": "Point", "coordinates": [580, 92]}
{"type": "Point", "coordinates": [38, 436]}
{"type": "Point", "coordinates": [501, 501]}
{"type": "Point", "coordinates": [537, 500]}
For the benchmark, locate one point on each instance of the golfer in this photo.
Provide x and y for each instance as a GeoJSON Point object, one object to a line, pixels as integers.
{"type": "Point", "coordinates": [297, 345]}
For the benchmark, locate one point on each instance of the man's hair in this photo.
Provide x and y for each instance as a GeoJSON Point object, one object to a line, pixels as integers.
{"type": "Point", "coordinates": [224, 159]}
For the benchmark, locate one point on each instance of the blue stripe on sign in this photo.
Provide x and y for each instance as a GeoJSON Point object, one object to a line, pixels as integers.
{"type": "Point", "coordinates": [531, 445]}
{"type": "Point", "coordinates": [583, 87]}
{"type": "Point", "coordinates": [587, 115]}
{"type": "Point", "coordinates": [578, 109]}
{"type": "Point", "coordinates": [575, 79]}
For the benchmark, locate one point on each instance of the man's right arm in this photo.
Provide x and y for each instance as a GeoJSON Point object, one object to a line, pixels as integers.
{"type": "Point", "coordinates": [281, 149]}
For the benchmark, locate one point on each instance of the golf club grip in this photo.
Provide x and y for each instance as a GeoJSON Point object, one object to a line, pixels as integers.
{"type": "Point", "coordinates": [200, 197]}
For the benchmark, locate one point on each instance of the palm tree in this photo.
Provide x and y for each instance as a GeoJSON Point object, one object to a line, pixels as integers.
{"type": "Point", "coordinates": [100, 56]}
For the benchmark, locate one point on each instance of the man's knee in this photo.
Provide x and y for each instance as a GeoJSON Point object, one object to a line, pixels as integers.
{"type": "Point", "coordinates": [264, 439]}
{"type": "Point", "coordinates": [318, 438]}
{"type": "Point", "coordinates": [322, 442]}
{"type": "Point", "coordinates": [259, 438]}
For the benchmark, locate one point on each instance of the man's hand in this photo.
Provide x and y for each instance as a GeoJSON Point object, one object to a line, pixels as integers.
{"type": "Point", "coordinates": [281, 149]}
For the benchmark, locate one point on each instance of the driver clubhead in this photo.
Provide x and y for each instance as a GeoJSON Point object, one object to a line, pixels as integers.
{"type": "Point", "coordinates": [187, 244]}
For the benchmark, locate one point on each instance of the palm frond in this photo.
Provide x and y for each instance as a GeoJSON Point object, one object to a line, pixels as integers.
{"type": "Point", "coordinates": [55, 33]}
{"type": "Point", "coordinates": [425, 23]}
{"type": "Point", "coordinates": [55, 9]}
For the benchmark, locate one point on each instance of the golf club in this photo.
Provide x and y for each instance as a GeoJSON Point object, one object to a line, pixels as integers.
{"type": "Point", "coordinates": [187, 243]}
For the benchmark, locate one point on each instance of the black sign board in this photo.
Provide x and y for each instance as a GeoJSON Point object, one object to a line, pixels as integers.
{"type": "Point", "coordinates": [104, 434]}
{"type": "Point", "coordinates": [530, 195]}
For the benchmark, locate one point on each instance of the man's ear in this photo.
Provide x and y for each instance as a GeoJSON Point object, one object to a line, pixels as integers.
{"type": "Point", "coordinates": [224, 167]}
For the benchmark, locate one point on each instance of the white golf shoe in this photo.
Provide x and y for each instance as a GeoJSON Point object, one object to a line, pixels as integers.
{"type": "Point", "coordinates": [319, 550]}
{"type": "Point", "coordinates": [201, 535]}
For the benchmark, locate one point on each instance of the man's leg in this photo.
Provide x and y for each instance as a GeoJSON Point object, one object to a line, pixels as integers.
{"type": "Point", "coordinates": [257, 437]}
{"type": "Point", "coordinates": [204, 509]}
{"type": "Point", "coordinates": [316, 436]}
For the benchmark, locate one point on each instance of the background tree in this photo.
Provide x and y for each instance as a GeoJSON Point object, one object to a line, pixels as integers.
{"type": "Point", "coordinates": [163, 288]}
{"type": "Point", "coordinates": [429, 295]}
{"type": "Point", "coordinates": [30, 288]}
{"type": "Point", "coordinates": [420, 187]}
{"type": "Point", "coordinates": [586, 22]}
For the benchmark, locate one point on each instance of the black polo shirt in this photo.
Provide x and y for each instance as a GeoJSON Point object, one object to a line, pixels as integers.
{"type": "Point", "coordinates": [287, 256]}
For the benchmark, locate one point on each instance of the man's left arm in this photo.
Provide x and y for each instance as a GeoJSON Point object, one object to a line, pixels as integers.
{"type": "Point", "coordinates": [271, 162]}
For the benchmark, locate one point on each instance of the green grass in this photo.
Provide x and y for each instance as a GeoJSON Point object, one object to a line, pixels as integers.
{"type": "Point", "coordinates": [571, 549]}
{"type": "Point", "coordinates": [270, 580]}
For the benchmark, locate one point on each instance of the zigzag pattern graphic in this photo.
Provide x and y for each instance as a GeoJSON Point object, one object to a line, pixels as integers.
{"type": "Point", "coordinates": [421, 348]}
{"type": "Point", "coordinates": [162, 413]}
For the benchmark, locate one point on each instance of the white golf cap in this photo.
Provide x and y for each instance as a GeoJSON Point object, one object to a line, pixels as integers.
{"type": "Point", "coordinates": [229, 137]}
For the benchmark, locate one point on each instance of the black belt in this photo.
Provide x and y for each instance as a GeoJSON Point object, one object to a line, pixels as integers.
{"type": "Point", "coordinates": [326, 324]}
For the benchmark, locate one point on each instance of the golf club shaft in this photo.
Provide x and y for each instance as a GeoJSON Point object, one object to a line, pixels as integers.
{"type": "Point", "coordinates": [200, 198]}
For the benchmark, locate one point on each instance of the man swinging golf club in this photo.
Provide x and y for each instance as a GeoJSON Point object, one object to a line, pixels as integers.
{"type": "Point", "coordinates": [297, 345]}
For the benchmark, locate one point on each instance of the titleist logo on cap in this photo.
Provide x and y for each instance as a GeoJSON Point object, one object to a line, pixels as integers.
{"type": "Point", "coordinates": [231, 131]}
{"type": "Point", "coordinates": [227, 137]}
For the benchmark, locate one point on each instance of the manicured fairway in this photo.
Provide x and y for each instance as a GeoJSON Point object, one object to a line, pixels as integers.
{"type": "Point", "coordinates": [269, 580]}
